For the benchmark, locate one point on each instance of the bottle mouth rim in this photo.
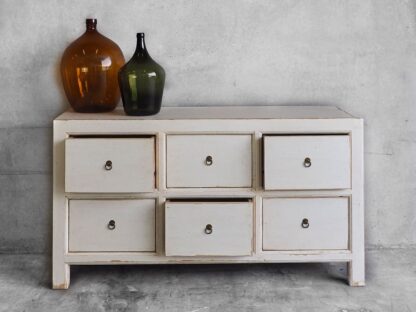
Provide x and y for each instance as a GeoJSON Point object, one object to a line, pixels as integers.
{"type": "Point", "coordinates": [140, 35]}
{"type": "Point", "coordinates": [91, 20]}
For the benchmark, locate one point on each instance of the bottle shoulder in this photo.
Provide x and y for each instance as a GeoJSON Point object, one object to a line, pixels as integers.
{"type": "Point", "coordinates": [142, 64]}
{"type": "Point", "coordinates": [93, 43]}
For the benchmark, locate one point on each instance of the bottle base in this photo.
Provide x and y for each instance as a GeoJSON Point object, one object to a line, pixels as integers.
{"type": "Point", "coordinates": [141, 112]}
{"type": "Point", "coordinates": [93, 109]}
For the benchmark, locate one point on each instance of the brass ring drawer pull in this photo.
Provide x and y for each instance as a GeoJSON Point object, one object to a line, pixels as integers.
{"type": "Point", "coordinates": [208, 229]}
{"type": "Point", "coordinates": [111, 225]}
{"type": "Point", "coordinates": [208, 161]}
{"type": "Point", "coordinates": [108, 165]}
{"type": "Point", "coordinates": [305, 223]}
{"type": "Point", "coordinates": [307, 162]}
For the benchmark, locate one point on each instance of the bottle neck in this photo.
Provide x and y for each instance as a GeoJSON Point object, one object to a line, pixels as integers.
{"type": "Point", "coordinates": [91, 24]}
{"type": "Point", "coordinates": [141, 50]}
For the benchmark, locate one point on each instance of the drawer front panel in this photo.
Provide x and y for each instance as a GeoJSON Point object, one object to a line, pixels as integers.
{"type": "Point", "coordinates": [120, 165]}
{"type": "Point", "coordinates": [307, 162]}
{"type": "Point", "coordinates": [209, 161]}
{"type": "Point", "coordinates": [305, 223]}
{"type": "Point", "coordinates": [209, 229]}
{"type": "Point", "coordinates": [91, 228]}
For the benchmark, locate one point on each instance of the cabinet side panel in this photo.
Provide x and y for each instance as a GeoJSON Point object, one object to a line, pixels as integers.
{"type": "Point", "coordinates": [60, 270]}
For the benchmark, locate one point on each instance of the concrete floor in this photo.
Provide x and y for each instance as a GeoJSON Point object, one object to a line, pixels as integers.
{"type": "Point", "coordinates": [391, 286]}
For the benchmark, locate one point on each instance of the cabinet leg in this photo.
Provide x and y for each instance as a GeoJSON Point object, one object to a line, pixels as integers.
{"type": "Point", "coordinates": [356, 273]}
{"type": "Point", "coordinates": [60, 276]}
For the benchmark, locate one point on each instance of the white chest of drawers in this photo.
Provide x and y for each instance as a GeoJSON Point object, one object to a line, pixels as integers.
{"type": "Point", "coordinates": [208, 185]}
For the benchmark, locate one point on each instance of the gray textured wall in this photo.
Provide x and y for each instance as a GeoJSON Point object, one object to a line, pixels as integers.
{"type": "Point", "coordinates": [359, 55]}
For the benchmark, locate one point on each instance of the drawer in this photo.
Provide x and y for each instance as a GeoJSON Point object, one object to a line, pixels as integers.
{"type": "Point", "coordinates": [209, 161]}
{"type": "Point", "coordinates": [111, 225]}
{"type": "Point", "coordinates": [305, 223]}
{"type": "Point", "coordinates": [307, 162]}
{"type": "Point", "coordinates": [209, 228]}
{"type": "Point", "coordinates": [118, 165]}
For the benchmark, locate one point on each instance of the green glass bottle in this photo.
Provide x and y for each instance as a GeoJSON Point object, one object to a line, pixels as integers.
{"type": "Point", "coordinates": [141, 82]}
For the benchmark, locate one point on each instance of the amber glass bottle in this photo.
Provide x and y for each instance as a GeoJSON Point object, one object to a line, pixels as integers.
{"type": "Point", "coordinates": [89, 70]}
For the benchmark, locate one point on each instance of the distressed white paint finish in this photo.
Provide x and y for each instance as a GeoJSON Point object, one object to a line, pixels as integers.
{"type": "Point", "coordinates": [209, 161]}
{"type": "Point", "coordinates": [221, 112]}
{"type": "Point", "coordinates": [356, 267]}
{"type": "Point", "coordinates": [81, 258]}
{"type": "Point", "coordinates": [186, 223]}
{"type": "Point", "coordinates": [286, 166]}
{"type": "Point", "coordinates": [132, 165]}
{"type": "Point", "coordinates": [327, 223]}
{"type": "Point", "coordinates": [134, 228]}
{"type": "Point", "coordinates": [60, 268]}
{"type": "Point", "coordinates": [234, 121]}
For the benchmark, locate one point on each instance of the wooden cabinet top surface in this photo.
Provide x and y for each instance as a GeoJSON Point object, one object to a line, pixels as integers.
{"type": "Point", "coordinates": [220, 112]}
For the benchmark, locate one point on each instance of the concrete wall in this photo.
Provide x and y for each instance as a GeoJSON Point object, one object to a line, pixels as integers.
{"type": "Point", "coordinates": [359, 55]}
